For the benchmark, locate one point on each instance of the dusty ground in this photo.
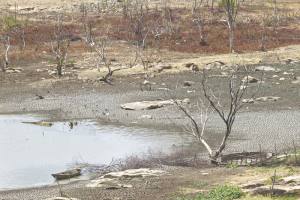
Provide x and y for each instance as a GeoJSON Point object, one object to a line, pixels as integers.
{"type": "Point", "coordinates": [78, 95]}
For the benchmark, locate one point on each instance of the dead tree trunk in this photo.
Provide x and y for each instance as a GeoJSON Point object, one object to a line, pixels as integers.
{"type": "Point", "coordinates": [6, 46]}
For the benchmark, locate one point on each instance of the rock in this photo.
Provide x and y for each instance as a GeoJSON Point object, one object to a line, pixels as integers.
{"type": "Point", "coordinates": [188, 83]}
{"type": "Point", "coordinates": [290, 61]}
{"type": "Point", "coordinates": [135, 173]}
{"type": "Point", "coordinates": [191, 91]}
{"type": "Point", "coordinates": [291, 180]}
{"type": "Point", "coordinates": [146, 117]}
{"type": "Point", "coordinates": [186, 101]}
{"type": "Point", "coordinates": [214, 65]}
{"type": "Point", "coordinates": [161, 67]}
{"type": "Point", "coordinates": [250, 79]}
{"type": "Point", "coordinates": [248, 100]}
{"type": "Point", "coordinates": [278, 190]}
{"type": "Point", "coordinates": [13, 70]}
{"type": "Point", "coordinates": [107, 183]}
{"type": "Point", "coordinates": [149, 105]}
{"type": "Point", "coordinates": [287, 73]}
{"type": "Point", "coordinates": [146, 105]}
{"type": "Point", "coordinates": [265, 68]}
{"type": "Point", "coordinates": [275, 76]}
{"type": "Point", "coordinates": [267, 98]}
{"type": "Point", "coordinates": [296, 80]}
{"type": "Point", "coordinates": [189, 65]}
{"type": "Point", "coordinates": [282, 79]}
{"type": "Point", "coordinates": [39, 97]}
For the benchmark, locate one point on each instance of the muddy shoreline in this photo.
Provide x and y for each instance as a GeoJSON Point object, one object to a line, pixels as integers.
{"type": "Point", "coordinates": [72, 99]}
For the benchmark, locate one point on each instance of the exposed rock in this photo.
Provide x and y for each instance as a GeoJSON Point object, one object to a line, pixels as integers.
{"type": "Point", "coordinates": [146, 117]}
{"type": "Point", "coordinates": [113, 180]}
{"type": "Point", "coordinates": [149, 105]}
{"type": "Point", "coordinates": [290, 61]}
{"type": "Point", "coordinates": [287, 73]}
{"type": "Point", "coordinates": [214, 65]}
{"type": "Point", "coordinates": [265, 68]}
{"type": "Point", "coordinates": [186, 101]}
{"type": "Point", "coordinates": [188, 83]}
{"type": "Point", "coordinates": [248, 100]}
{"type": "Point", "coordinates": [189, 65]}
{"type": "Point", "coordinates": [146, 105]}
{"type": "Point", "coordinates": [250, 79]}
{"type": "Point", "coordinates": [267, 98]}
{"type": "Point", "coordinates": [282, 79]}
{"type": "Point", "coordinates": [161, 67]}
{"type": "Point", "coordinates": [291, 180]}
{"type": "Point", "coordinates": [278, 190]}
{"type": "Point", "coordinates": [296, 80]}
{"type": "Point", "coordinates": [13, 70]}
{"type": "Point", "coordinates": [135, 173]}
{"type": "Point", "coordinates": [275, 76]}
{"type": "Point", "coordinates": [107, 183]}
{"type": "Point", "coordinates": [191, 91]}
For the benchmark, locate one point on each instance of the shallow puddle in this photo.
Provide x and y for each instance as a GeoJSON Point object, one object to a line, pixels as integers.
{"type": "Point", "coordinates": [29, 153]}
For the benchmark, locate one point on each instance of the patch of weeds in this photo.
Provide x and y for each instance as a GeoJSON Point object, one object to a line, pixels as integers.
{"type": "Point", "coordinates": [222, 192]}
{"type": "Point", "coordinates": [225, 192]}
{"type": "Point", "coordinates": [232, 165]}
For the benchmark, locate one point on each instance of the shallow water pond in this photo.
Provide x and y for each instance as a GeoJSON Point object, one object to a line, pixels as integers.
{"type": "Point", "coordinates": [29, 153]}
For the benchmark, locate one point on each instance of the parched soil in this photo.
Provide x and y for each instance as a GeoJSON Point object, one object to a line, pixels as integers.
{"type": "Point", "coordinates": [79, 94]}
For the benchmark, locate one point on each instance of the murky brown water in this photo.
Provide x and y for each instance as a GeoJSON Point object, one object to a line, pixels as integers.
{"type": "Point", "coordinates": [29, 154]}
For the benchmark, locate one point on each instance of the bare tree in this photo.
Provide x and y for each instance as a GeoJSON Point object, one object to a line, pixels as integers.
{"type": "Point", "coordinates": [237, 89]}
{"type": "Point", "coordinates": [60, 45]}
{"type": "Point", "coordinates": [199, 19]}
{"type": "Point", "coordinates": [231, 9]}
{"type": "Point", "coordinates": [100, 46]}
{"type": "Point", "coordinates": [6, 47]}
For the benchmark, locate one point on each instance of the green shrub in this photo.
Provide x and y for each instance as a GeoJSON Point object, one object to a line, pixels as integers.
{"type": "Point", "coordinates": [223, 192]}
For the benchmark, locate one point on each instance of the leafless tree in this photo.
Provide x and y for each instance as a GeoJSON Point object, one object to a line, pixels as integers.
{"type": "Point", "coordinates": [237, 89]}
{"type": "Point", "coordinates": [5, 39]}
{"type": "Point", "coordinates": [60, 45]}
{"type": "Point", "coordinates": [231, 9]}
{"type": "Point", "coordinates": [100, 45]}
{"type": "Point", "coordinates": [138, 24]}
{"type": "Point", "coordinates": [199, 19]}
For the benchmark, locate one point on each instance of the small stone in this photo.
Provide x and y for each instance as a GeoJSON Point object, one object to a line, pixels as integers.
{"type": "Point", "coordinates": [248, 100]}
{"type": "Point", "coordinates": [191, 91]}
{"type": "Point", "coordinates": [146, 117]}
{"type": "Point", "coordinates": [188, 83]}
{"type": "Point", "coordinates": [265, 68]}
{"type": "Point", "coordinates": [250, 79]}
{"type": "Point", "coordinates": [296, 80]}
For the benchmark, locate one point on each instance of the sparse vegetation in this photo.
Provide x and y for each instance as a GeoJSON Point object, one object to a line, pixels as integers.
{"type": "Point", "coordinates": [222, 192]}
{"type": "Point", "coordinates": [77, 59]}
